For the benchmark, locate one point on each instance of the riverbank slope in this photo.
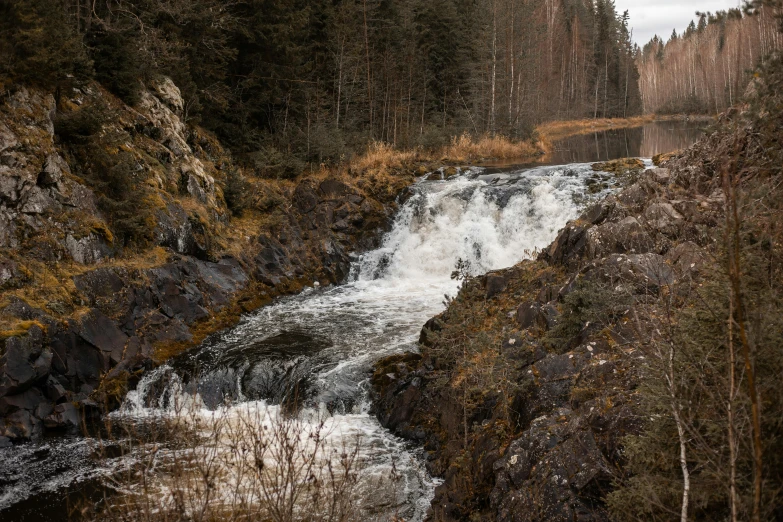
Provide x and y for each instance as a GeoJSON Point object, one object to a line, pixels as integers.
{"type": "Point", "coordinates": [128, 235]}
{"type": "Point", "coordinates": [528, 390]}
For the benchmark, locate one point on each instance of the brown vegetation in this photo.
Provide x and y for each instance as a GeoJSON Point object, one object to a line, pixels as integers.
{"type": "Point", "coordinates": [232, 464]}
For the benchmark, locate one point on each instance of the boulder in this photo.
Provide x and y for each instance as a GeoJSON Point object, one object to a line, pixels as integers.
{"type": "Point", "coordinates": [634, 197]}
{"type": "Point", "coordinates": [598, 212]}
{"type": "Point", "coordinates": [495, 284]}
{"type": "Point", "coordinates": [569, 246]}
{"type": "Point", "coordinates": [661, 216]}
{"type": "Point", "coordinates": [528, 314]}
{"type": "Point", "coordinates": [626, 236]}
{"type": "Point", "coordinates": [686, 258]}
{"type": "Point", "coordinates": [102, 333]}
{"type": "Point", "coordinates": [64, 416]}
{"type": "Point", "coordinates": [660, 175]}
{"type": "Point", "coordinates": [24, 361]}
{"type": "Point", "coordinates": [20, 425]}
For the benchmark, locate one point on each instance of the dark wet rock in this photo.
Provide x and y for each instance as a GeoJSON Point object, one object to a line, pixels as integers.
{"type": "Point", "coordinates": [430, 327]}
{"type": "Point", "coordinates": [221, 280]}
{"type": "Point", "coordinates": [626, 236]}
{"type": "Point", "coordinates": [569, 246]}
{"type": "Point", "coordinates": [399, 387]}
{"type": "Point", "coordinates": [20, 425]}
{"type": "Point", "coordinates": [598, 212]}
{"type": "Point", "coordinates": [103, 333]}
{"type": "Point", "coordinates": [24, 361]}
{"type": "Point", "coordinates": [529, 315]}
{"type": "Point", "coordinates": [332, 189]}
{"type": "Point", "coordinates": [495, 284]}
{"type": "Point", "coordinates": [63, 416]}
{"type": "Point", "coordinates": [305, 199]}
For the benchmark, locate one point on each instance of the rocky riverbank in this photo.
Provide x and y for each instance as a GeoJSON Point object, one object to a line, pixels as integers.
{"type": "Point", "coordinates": [102, 278]}
{"type": "Point", "coordinates": [525, 387]}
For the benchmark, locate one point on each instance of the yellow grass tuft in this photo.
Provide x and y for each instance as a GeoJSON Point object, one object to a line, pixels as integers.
{"type": "Point", "coordinates": [465, 148]}
{"type": "Point", "coordinates": [19, 329]}
{"type": "Point", "coordinates": [381, 154]}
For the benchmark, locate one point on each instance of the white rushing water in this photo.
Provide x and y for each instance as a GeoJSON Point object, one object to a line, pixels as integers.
{"type": "Point", "coordinates": [326, 340]}
{"type": "Point", "coordinates": [322, 343]}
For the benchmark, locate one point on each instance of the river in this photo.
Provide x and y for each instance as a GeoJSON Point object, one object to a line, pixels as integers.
{"type": "Point", "coordinates": [316, 349]}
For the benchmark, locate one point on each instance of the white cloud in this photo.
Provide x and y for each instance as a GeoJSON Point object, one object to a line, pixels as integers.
{"type": "Point", "coordinates": [651, 17]}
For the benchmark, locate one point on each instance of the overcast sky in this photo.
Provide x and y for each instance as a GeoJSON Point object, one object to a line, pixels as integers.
{"type": "Point", "coordinates": [651, 17]}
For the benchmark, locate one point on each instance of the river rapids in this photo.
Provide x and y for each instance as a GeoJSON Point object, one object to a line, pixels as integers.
{"type": "Point", "coordinates": [317, 349]}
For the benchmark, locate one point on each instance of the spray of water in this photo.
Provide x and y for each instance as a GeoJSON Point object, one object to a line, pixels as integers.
{"type": "Point", "coordinates": [323, 342]}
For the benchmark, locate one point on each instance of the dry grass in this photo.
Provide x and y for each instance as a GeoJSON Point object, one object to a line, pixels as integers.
{"type": "Point", "coordinates": [467, 149]}
{"type": "Point", "coordinates": [19, 329]}
{"type": "Point", "coordinates": [380, 155]}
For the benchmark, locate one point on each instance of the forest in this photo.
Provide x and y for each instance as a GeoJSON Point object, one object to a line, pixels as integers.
{"type": "Point", "coordinates": [706, 69]}
{"type": "Point", "coordinates": [293, 80]}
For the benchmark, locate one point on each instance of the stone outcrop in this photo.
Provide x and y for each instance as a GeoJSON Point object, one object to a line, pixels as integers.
{"type": "Point", "coordinates": [544, 435]}
{"type": "Point", "coordinates": [81, 316]}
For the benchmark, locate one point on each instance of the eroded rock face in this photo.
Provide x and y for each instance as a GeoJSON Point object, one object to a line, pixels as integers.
{"type": "Point", "coordinates": [552, 453]}
{"type": "Point", "coordinates": [60, 361]}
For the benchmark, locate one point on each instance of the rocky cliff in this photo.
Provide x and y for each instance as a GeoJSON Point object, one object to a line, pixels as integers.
{"type": "Point", "coordinates": [525, 387]}
{"type": "Point", "coordinates": [118, 247]}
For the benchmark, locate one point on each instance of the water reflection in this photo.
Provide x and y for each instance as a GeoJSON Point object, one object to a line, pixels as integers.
{"type": "Point", "coordinates": [646, 141]}
{"type": "Point", "coordinates": [636, 142]}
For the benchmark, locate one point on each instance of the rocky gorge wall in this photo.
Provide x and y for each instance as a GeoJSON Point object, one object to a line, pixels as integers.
{"type": "Point", "coordinates": [83, 311]}
{"type": "Point", "coordinates": [525, 387]}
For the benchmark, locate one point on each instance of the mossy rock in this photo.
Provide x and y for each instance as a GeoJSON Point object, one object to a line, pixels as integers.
{"type": "Point", "coordinates": [660, 159]}
{"type": "Point", "coordinates": [620, 166]}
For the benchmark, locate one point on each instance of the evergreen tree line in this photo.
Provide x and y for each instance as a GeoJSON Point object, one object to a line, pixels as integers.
{"type": "Point", "coordinates": [707, 68]}
{"type": "Point", "coordinates": [319, 79]}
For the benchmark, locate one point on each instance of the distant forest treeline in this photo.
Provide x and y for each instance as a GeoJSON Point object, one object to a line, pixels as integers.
{"type": "Point", "coordinates": [318, 79]}
{"type": "Point", "coordinates": [707, 68]}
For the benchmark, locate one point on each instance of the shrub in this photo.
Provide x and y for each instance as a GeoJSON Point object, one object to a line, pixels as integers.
{"type": "Point", "coordinates": [38, 44]}
{"type": "Point", "coordinates": [236, 192]}
{"type": "Point", "coordinates": [118, 63]}
{"type": "Point", "coordinates": [230, 465]}
{"type": "Point", "coordinates": [270, 162]}
{"type": "Point", "coordinates": [79, 126]}
{"type": "Point", "coordinates": [589, 305]}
